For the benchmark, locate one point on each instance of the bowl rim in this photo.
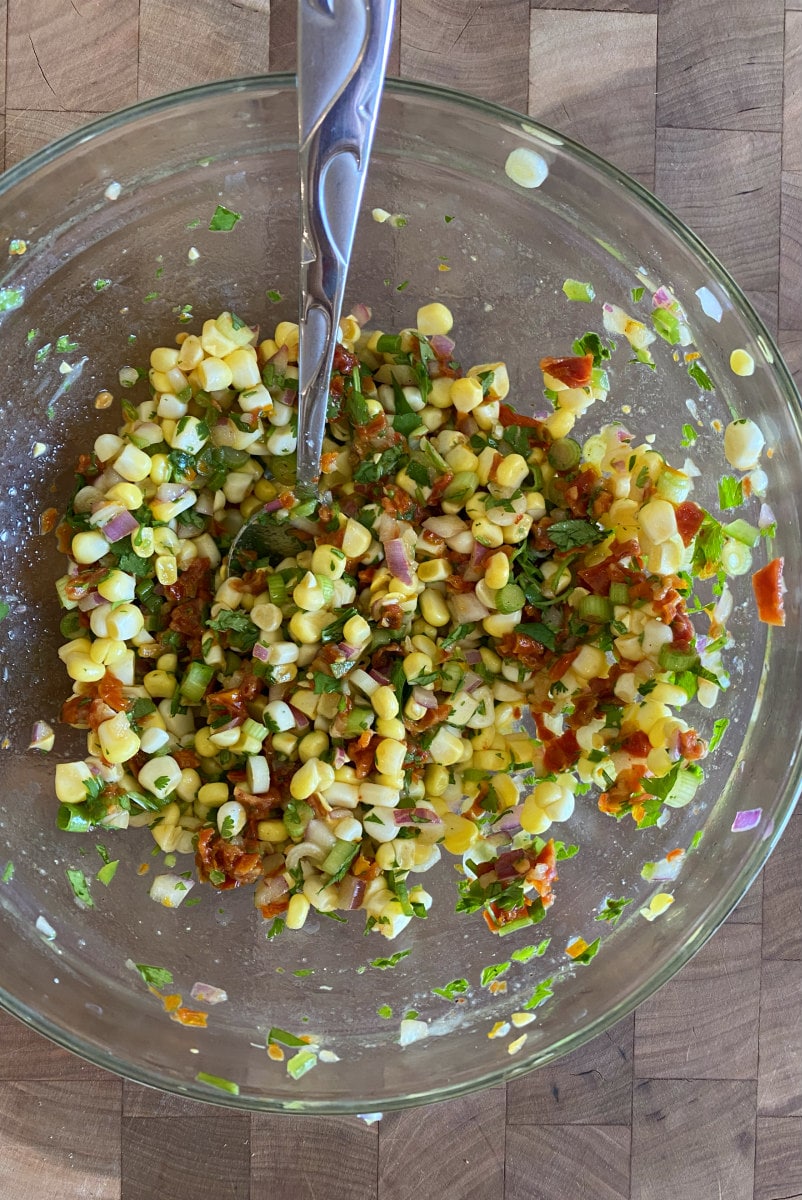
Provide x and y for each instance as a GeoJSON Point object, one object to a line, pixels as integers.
{"type": "Point", "coordinates": [723, 907]}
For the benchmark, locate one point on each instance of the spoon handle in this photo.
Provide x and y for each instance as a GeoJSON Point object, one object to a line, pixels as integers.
{"type": "Point", "coordinates": [342, 58]}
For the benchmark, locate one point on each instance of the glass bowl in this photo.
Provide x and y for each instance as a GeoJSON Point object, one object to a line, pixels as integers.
{"type": "Point", "coordinates": [439, 160]}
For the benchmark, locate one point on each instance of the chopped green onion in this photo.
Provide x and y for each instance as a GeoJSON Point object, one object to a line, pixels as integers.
{"type": "Point", "coordinates": [217, 1081]}
{"type": "Point", "coordinates": [575, 290]}
{"type": "Point", "coordinates": [596, 608]}
{"type": "Point", "coordinates": [510, 598]}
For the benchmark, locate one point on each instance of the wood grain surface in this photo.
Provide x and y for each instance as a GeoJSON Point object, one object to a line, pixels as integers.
{"type": "Point", "coordinates": [698, 1095]}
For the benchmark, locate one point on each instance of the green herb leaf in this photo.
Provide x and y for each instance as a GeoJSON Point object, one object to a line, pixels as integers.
{"type": "Point", "coordinates": [280, 1037]}
{"type": "Point", "coordinates": [5, 609]}
{"type": "Point", "coordinates": [612, 909]}
{"type": "Point", "coordinates": [637, 294]}
{"type": "Point", "coordinates": [384, 1011]}
{"type": "Point", "coordinates": [8, 872]}
{"type": "Point", "coordinates": [591, 343]}
{"type": "Point", "coordinates": [541, 994]}
{"type": "Point", "coordinates": [275, 929]}
{"type": "Point", "coordinates": [589, 953]}
{"type": "Point", "coordinates": [453, 989]}
{"type": "Point", "coordinates": [689, 435]}
{"type": "Point", "coordinates": [699, 375]}
{"type": "Point", "coordinates": [158, 977]}
{"type": "Point", "coordinates": [730, 492]}
{"type": "Point", "coordinates": [80, 888]}
{"type": "Point", "coordinates": [493, 972]}
{"type": "Point", "coordinates": [566, 535]}
{"type": "Point", "coordinates": [224, 219]}
{"type": "Point", "coordinates": [108, 871]}
{"type": "Point", "coordinates": [383, 964]}
{"type": "Point", "coordinates": [237, 622]}
{"type": "Point", "coordinates": [525, 953]}
{"type": "Point", "coordinates": [718, 733]}
{"type": "Point", "coordinates": [273, 296]}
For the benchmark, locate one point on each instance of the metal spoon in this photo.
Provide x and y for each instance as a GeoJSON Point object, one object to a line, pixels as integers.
{"type": "Point", "coordinates": [342, 59]}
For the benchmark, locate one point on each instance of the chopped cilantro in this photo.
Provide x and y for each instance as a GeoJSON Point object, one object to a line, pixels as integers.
{"type": "Point", "coordinates": [452, 989]}
{"type": "Point", "coordinates": [276, 928]}
{"type": "Point", "coordinates": [101, 284]}
{"type": "Point", "coordinates": [384, 1011]}
{"type": "Point", "coordinates": [493, 972]}
{"type": "Point", "coordinates": [80, 888]}
{"type": "Point", "coordinates": [730, 492]}
{"type": "Point", "coordinates": [718, 732]}
{"type": "Point", "coordinates": [158, 977]}
{"type": "Point", "coordinates": [591, 343]}
{"type": "Point", "coordinates": [612, 909]}
{"type": "Point", "coordinates": [382, 964]}
{"type": "Point", "coordinates": [637, 294]}
{"type": "Point", "coordinates": [448, 219]}
{"type": "Point", "coordinates": [588, 953]}
{"type": "Point", "coordinates": [566, 535]}
{"type": "Point", "coordinates": [64, 345]}
{"type": "Point", "coordinates": [224, 219]}
{"type": "Point", "coordinates": [108, 871]}
{"type": "Point", "coordinates": [402, 286]}
{"type": "Point", "coordinates": [5, 609]}
{"type": "Point", "coordinates": [302, 972]}
{"type": "Point", "coordinates": [689, 435]}
{"type": "Point", "coordinates": [696, 839]}
{"type": "Point", "coordinates": [237, 622]}
{"type": "Point", "coordinates": [8, 872]}
{"type": "Point", "coordinates": [699, 375]}
{"type": "Point", "coordinates": [541, 994]}
{"type": "Point", "coordinates": [525, 953]}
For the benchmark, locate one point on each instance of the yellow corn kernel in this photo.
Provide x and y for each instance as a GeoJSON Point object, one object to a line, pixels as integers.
{"type": "Point", "coordinates": [89, 546]}
{"type": "Point", "coordinates": [213, 794]}
{"type": "Point", "coordinates": [203, 744]}
{"type": "Point", "coordinates": [71, 780]}
{"type": "Point", "coordinates": [287, 335]}
{"type": "Point", "coordinates": [307, 779]}
{"type": "Point", "coordinates": [466, 394]}
{"type": "Point", "coordinates": [498, 624]}
{"type": "Point", "coordinates": [498, 387]}
{"type": "Point", "coordinates": [107, 651]}
{"type": "Point", "coordinates": [433, 319]}
{"type": "Point", "coordinates": [189, 784]}
{"type": "Point", "coordinates": [436, 779]}
{"type": "Point", "coordinates": [83, 669]}
{"type": "Point", "coordinates": [506, 790]}
{"type": "Point", "coordinates": [285, 743]}
{"type": "Point", "coordinates": [486, 533]}
{"type": "Point", "coordinates": [391, 727]}
{"type": "Point", "coordinates": [460, 833]}
{"type": "Point", "coordinates": [356, 631]}
{"type": "Point", "coordinates": [244, 368]}
{"type": "Point", "coordinates": [160, 684]}
{"type": "Point", "coordinates": [214, 374]}
{"type": "Point", "coordinates": [497, 571]}
{"type": "Point", "coordinates": [512, 471]}
{"type": "Point", "coordinates": [434, 608]}
{"type": "Point", "coordinates": [742, 363]}
{"type": "Point", "coordinates": [390, 757]}
{"type": "Point", "coordinates": [272, 831]}
{"type": "Point", "coordinates": [416, 664]}
{"type": "Point", "coordinates": [127, 494]}
{"type": "Point", "coordinates": [117, 586]}
{"type": "Point", "coordinates": [164, 358]}
{"type": "Point", "coordinates": [313, 745]}
{"type": "Point", "coordinates": [166, 568]}
{"type": "Point", "coordinates": [385, 702]}
{"type": "Point", "coordinates": [297, 911]}
{"type": "Point", "coordinates": [117, 739]}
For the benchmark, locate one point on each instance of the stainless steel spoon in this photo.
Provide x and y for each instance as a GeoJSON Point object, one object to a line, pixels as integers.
{"type": "Point", "coordinates": [342, 59]}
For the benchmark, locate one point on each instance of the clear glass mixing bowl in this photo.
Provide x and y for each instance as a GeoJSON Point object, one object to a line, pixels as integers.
{"type": "Point", "coordinates": [438, 156]}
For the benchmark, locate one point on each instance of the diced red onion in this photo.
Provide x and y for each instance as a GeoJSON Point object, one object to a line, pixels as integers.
{"type": "Point", "coordinates": [413, 816]}
{"type": "Point", "coordinates": [509, 821]}
{"type": "Point", "coordinates": [347, 651]}
{"type": "Point", "coordinates": [386, 527]}
{"type": "Point", "coordinates": [120, 526]}
{"type": "Point", "coordinates": [433, 368]}
{"type": "Point", "coordinates": [607, 307]}
{"type": "Point", "coordinates": [301, 719]}
{"type": "Point", "coordinates": [289, 397]}
{"type": "Point", "coordinates": [41, 736]}
{"type": "Point", "coordinates": [471, 682]}
{"type": "Point", "coordinates": [281, 359]}
{"type": "Point", "coordinates": [361, 314]}
{"type": "Point", "coordinates": [271, 889]}
{"type": "Point", "coordinates": [90, 601]}
{"type": "Point", "coordinates": [766, 517]}
{"type": "Point", "coordinates": [424, 697]}
{"type": "Point", "coordinates": [479, 555]}
{"type": "Point", "coordinates": [662, 298]}
{"type": "Point", "coordinates": [351, 892]}
{"type": "Point", "coordinates": [442, 345]}
{"type": "Point", "coordinates": [273, 506]}
{"type": "Point", "coordinates": [379, 677]}
{"type": "Point", "coordinates": [624, 435]}
{"type": "Point", "coordinates": [505, 864]}
{"type": "Point", "coordinates": [261, 652]}
{"type": "Point", "coordinates": [171, 491]}
{"type": "Point", "coordinates": [319, 834]}
{"type": "Point", "coordinates": [340, 758]}
{"type": "Point", "coordinates": [668, 868]}
{"type": "Point", "coordinates": [747, 819]}
{"type": "Point", "coordinates": [396, 554]}
{"type": "Point", "coordinates": [446, 526]}
{"type": "Point", "coordinates": [206, 993]}
{"type": "Point", "coordinates": [466, 607]}
{"type": "Point", "coordinates": [204, 504]}
{"type": "Point", "coordinates": [276, 691]}
{"type": "Point", "coordinates": [473, 656]}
